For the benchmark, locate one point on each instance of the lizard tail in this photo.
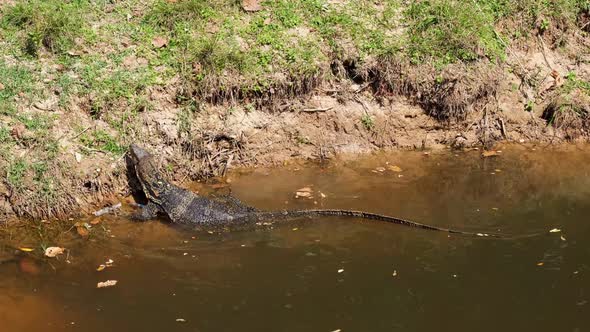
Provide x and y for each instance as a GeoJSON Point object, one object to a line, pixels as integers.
{"type": "Point", "coordinates": [261, 216]}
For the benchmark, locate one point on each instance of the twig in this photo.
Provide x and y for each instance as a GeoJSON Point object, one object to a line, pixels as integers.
{"type": "Point", "coordinates": [363, 87]}
{"type": "Point", "coordinates": [502, 128]}
{"type": "Point", "coordinates": [80, 133]}
{"type": "Point", "coordinates": [313, 110]}
{"type": "Point", "coordinates": [543, 52]}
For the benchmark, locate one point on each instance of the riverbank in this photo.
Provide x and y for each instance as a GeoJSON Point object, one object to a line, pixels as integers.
{"type": "Point", "coordinates": [209, 86]}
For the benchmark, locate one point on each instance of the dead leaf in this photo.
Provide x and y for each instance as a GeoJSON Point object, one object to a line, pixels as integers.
{"type": "Point", "coordinates": [251, 5]}
{"type": "Point", "coordinates": [78, 157]}
{"type": "Point", "coordinates": [101, 267]}
{"type": "Point", "coordinates": [394, 168]}
{"type": "Point", "coordinates": [82, 231]}
{"type": "Point", "coordinates": [555, 230]}
{"type": "Point", "coordinates": [305, 192]}
{"type": "Point", "coordinates": [540, 264]}
{"type": "Point", "coordinates": [54, 251]}
{"type": "Point", "coordinates": [487, 154]}
{"type": "Point", "coordinates": [1, 86]}
{"type": "Point", "coordinates": [95, 221]}
{"type": "Point", "coordinates": [159, 42]}
{"type": "Point", "coordinates": [380, 169]}
{"type": "Point", "coordinates": [197, 69]}
{"type": "Point", "coordinates": [18, 131]}
{"type": "Point", "coordinates": [25, 249]}
{"type": "Point", "coordinates": [108, 283]}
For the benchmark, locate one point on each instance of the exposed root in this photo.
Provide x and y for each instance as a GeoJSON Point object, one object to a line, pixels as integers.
{"type": "Point", "coordinates": [212, 154]}
{"type": "Point", "coordinates": [447, 95]}
{"type": "Point", "coordinates": [221, 89]}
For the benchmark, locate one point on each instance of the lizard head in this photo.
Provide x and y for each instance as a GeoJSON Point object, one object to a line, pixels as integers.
{"type": "Point", "coordinates": [151, 181]}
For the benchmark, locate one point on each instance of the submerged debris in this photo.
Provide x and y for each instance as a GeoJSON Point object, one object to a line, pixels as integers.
{"type": "Point", "coordinates": [107, 209]}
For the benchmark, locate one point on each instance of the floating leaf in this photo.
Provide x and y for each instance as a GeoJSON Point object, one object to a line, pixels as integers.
{"type": "Point", "coordinates": [394, 168]}
{"type": "Point", "coordinates": [555, 230]}
{"type": "Point", "coordinates": [101, 267]}
{"type": "Point", "coordinates": [108, 283]}
{"type": "Point", "coordinates": [54, 251]}
{"type": "Point", "coordinates": [487, 154]}
{"type": "Point", "coordinates": [25, 249]}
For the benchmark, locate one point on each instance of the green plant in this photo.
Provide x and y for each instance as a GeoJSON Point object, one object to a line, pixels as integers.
{"type": "Point", "coordinates": [101, 140]}
{"type": "Point", "coordinates": [368, 122]}
{"type": "Point", "coordinates": [16, 173]}
{"type": "Point", "coordinates": [529, 106]}
{"type": "Point", "coordinates": [451, 31]}
{"type": "Point", "coordinates": [46, 23]}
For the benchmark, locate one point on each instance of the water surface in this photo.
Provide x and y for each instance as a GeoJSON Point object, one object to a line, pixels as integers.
{"type": "Point", "coordinates": [339, 274]}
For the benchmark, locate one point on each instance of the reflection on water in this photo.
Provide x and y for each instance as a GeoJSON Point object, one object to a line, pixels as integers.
{"type": "Point", "coordinates": [332, 273]}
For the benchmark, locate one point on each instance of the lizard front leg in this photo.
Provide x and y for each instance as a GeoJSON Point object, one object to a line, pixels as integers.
{"type": "Point", "coordinates": [147, 212]}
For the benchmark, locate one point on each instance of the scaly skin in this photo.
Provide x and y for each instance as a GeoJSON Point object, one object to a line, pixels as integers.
{"type": "Point", "coordinates": [185, 207]}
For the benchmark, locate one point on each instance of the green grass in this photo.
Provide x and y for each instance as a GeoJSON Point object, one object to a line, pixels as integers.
{"type": "Point", "coordinates": [450, 31]}
{"type": "Point", "coordinates": [103, 141]}
{"type": "Point", "coordinates": [53, 25]}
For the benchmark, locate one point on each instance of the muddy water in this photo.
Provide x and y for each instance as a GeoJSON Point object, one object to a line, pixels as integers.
{"type": "Point", "coordinates": [335, 274]}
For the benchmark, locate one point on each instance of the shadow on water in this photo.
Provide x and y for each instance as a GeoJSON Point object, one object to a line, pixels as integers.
{"type": "Point", "coordinates": [331, 273]}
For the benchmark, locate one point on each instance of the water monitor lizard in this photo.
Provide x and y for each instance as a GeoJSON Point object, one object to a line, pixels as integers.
{"type": "Point", "coordinates": [183, 206]}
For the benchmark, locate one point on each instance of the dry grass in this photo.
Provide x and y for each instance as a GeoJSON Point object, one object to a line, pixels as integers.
{"type": "Point", "coordinates": [570, 114]}
{"type": "Point", "coordinates": [447, 95]}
